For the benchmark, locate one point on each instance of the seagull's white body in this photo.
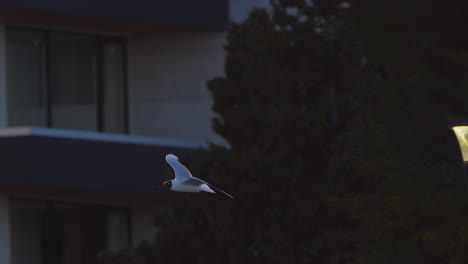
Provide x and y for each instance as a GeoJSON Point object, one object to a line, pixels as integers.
{"type": "Point", "coordinates": [185, 182]}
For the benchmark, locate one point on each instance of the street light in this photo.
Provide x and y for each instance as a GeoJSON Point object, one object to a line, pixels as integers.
{"type": "Point", "coordinates": [461, 132]}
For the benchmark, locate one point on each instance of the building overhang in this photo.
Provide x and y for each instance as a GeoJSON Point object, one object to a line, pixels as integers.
{"type": "Point", "coordinates": [85, 165]}
{"type": "Point", "coordinates": [120, 15]}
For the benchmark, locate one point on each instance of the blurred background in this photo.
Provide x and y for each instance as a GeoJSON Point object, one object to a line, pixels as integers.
{"type": "Point", "coordinates": [326, 120]}
{"type": "Point", "coordinates": [336, 114]}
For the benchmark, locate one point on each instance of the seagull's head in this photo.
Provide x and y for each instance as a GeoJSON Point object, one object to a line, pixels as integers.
{"type": "Point", "coordinates": [166, 185]}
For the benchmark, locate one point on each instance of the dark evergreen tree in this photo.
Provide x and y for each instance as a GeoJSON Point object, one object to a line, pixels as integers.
{"type": "Point", "coordinates": [278, 111]}
{"type": "Point", "coordinates": [398, 164]}
{"type": "Point", "coordinates": [336, 114]}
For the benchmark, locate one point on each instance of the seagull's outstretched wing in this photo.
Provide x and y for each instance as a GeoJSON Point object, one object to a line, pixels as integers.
{"type": "Point", "coordinates": [181, 172]}
{"type": "Point", "coordinates": [196, 181]}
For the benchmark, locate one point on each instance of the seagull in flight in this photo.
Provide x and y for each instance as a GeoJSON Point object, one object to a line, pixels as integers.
{"type": "Point", "coordinates": [184, 181]}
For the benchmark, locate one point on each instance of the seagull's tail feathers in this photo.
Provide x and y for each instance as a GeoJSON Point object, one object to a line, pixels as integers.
{"type": "Point", "coordinates": [206, 188]}
{"type": "Point", "coordinates": [221, 191]}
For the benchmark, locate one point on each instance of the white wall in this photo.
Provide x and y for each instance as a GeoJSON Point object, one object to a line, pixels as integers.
{"type": "Point", "coordinates": [239, 9]}
{"type": "Point", "coordinates": [3, 84]}
{"type": "Point", "coordinates": [168, 95]}
{"type": "Point", "coordinates": [5, 254]}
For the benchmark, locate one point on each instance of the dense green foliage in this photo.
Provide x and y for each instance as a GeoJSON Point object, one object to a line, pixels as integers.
{"type": "Point", "coordinates": [273, 113]}
{"type": "Point", "coordinates": [340, 152]}
{"type": "Point", "coordinates": [412, 207]}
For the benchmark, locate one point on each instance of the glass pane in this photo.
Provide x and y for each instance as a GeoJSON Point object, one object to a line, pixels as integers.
{"type": "Point", "coordinates": [93, 236]}
{"type": "Point", "coordinates": [117, 231]}
{"type": "Point", "coordinates": [64, 233]}
{"type": "Point", "coordinates": [25, 232]}
{"type": "Point", "coordinates": [25, 78]}
{"type": "Point", "coordinates": [72, 233]}
{"type": "Point", "coordinates": [114, 85]}
{"type": "Point", "coordinates": [52, 235]}
{"type": "Point", "coordinates": [73, 81]}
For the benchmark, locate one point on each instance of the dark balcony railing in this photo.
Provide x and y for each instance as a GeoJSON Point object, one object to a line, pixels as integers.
{"type": "Point", "coordinates": [39, 161]}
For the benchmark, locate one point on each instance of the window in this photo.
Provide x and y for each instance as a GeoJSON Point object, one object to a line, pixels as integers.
{"type": "Point", "coordinates": [73, 81]}
{"type": "Point", "coordinates": [113, 86]}
{"type": "Point", "coordinates": [65, 80]}
{"type": "Point", "coordinates": [47, 232]}
{"type": "Point", "coordinates": [26, 78]}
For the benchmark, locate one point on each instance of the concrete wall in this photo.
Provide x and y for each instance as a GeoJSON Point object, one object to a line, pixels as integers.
{"type": "Point", "coordinates": [167, 79]}
{"type": "Point", "coordinates": [3, 84]}
{"type": "Point", "coordinates": [168, 95]}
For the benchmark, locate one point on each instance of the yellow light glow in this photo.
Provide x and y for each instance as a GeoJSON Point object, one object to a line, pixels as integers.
{"type": "Point", "coordinates": [461, 132]}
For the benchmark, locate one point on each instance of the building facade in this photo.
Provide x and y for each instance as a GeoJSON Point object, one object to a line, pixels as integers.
{"type": "Point", "coordinates": [93, 94]}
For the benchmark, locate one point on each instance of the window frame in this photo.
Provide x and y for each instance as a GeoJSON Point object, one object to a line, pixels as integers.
{"type": "Point", "coordinates": [47, 204]}
{"type": "Point", "coordinates": [100, 40]}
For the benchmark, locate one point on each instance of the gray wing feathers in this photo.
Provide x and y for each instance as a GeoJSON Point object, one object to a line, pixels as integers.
{"type": "Point", "coordinates": [181, 172]}
{"type": "Point", "coordinates": [195, 181]}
